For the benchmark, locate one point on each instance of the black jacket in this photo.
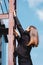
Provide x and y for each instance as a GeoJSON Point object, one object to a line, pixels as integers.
{"type": "Point", "coordinates": [22, 50]}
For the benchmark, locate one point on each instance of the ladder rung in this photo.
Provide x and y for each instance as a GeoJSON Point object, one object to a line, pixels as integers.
{"type": "Point", "coordinates": [4, 16]}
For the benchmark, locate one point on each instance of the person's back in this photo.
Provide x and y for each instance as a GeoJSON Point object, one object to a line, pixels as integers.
{"type": "Point", "coordinates": [23, 51]}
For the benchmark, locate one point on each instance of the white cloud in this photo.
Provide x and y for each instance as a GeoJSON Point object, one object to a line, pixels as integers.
{"type": "Point", "coordinates": [40, 14]}
{"type": "Point", "coordinates": [33, 3]}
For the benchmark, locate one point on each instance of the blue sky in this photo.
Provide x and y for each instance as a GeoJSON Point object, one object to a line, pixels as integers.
{"type": "Point", "coordinates": [30, 12]}
{"type": "Point", "coordinates": [3, 5]}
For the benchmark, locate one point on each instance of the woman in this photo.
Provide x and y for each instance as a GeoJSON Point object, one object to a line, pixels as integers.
{"type": "Point", "coordinates": [26, 41]}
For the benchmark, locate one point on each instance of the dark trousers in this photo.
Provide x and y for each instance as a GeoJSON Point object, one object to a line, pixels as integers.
{"type": "Point", "coordinates": [24, 61]}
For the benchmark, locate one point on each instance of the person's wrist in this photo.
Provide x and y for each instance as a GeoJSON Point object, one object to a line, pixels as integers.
{"type": "Point", "coordinates": [14, 14]}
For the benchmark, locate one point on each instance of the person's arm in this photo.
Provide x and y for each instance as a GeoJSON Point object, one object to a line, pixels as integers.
{"type": "Point", "coordinates": [16, 34]}
{"type": "Point", "coordinates": [19, 26]}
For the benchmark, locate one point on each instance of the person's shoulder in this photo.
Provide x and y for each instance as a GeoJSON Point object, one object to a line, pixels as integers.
{"type": "Point", "coordinates": [26, 32]}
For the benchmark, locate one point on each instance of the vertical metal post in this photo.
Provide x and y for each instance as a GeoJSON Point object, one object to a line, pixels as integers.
{"type": "Point", "coordinates": [11, 24]}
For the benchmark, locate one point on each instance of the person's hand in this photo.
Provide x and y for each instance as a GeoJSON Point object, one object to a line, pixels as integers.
{"type": "Point", "coordinates": [14, 14]}
{"type": "Point", "coordinates": [15, 32]}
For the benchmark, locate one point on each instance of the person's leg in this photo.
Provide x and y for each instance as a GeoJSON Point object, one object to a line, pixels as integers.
{"type": "Point", "coordinates": [24, 62]}
{"type": "Point", "coordinates": [14, 59]}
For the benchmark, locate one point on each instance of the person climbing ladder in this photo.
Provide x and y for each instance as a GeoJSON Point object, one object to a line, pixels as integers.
{"type": "Point", "coordinates": [26, 41]}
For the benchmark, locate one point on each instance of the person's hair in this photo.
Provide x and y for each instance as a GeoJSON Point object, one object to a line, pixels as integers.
{"type": "Point", "coordinates": [37, 32]}
{"type": "Point", "coordinates": [32, 27]}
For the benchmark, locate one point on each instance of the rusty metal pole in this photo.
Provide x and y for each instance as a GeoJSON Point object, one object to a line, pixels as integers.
{"type": "Point", "coordinates": [10, 36]}
{"type": "Point", "coordinates": [4, 16]}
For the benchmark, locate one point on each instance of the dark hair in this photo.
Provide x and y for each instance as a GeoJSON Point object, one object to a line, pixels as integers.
{"type": "Point", "coordinates": [37, 32]}
{"type": "Point", "coordinates": [32, 27]}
